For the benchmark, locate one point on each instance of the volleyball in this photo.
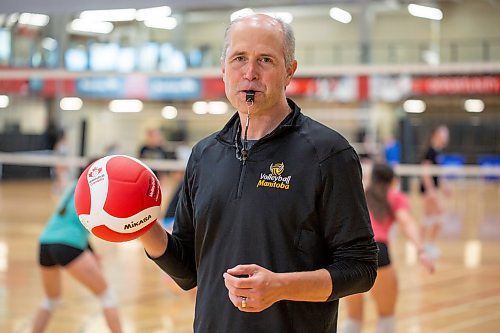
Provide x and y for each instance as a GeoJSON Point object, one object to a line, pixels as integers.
{"type": "Point", "coordinates": [117, 198]}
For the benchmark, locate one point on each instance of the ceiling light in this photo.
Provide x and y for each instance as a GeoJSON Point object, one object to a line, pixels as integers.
{"type": "Point", "coordinates": [71, 103]}
{"type": "Point", "coordinates": [80, 25]}
{"type": "Point", "coordinates": [169, 112]}
{"type": "Point", "coordinates": [340, 15]}
{"type": "Point", "coordinates": [38, 20]}
{"type": "Point", "coordinates": [200, 107]}
{"type": "Point", "coordinates": [474, 105]}
{"type": "Point", "coordinates": [49, 44]}
{"type": "Point", "coordinates": [4, 101]}
{"type": "Point", "coordinates": [425, 12]}
{"type": "Point", "coordinates": [125, 105]}
{"type": "Point", "coordinates": [145, 13]}
{"type": "Point", "coordinates": [168, 23]}
{"type": "Point", "coordinates": [414, 106]}
{"type": "Point", "coordinates": [113, 15]}
{"type": "Point", "coordinates": [217, 107]}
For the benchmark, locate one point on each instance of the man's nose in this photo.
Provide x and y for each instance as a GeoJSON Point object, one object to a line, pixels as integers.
{"type": "Point", "coordinates": [250, 71]}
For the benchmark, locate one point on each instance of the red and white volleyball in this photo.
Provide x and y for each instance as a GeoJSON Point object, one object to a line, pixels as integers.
{"type": "Point", "coordinates": [118, 198]}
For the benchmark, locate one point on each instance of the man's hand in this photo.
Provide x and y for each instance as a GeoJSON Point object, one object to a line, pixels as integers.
{"type": "Point", "coordinates": [252, 288]}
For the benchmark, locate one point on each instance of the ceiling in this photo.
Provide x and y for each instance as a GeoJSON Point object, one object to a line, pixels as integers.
{"type": "Point", "coordinates": [72, 6]}
{"type": "Point", "coordinates": [58, 7]}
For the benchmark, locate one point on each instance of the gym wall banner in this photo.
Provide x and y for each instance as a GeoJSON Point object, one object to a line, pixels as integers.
{"type": "Point", "coordinates": [456, 85]}
{"type": "Point", "coordinates": [20, 87]}
{"type": "Point", "coordinates": [173, 88]}
{"type": "Point", "coordinates": [104, 87]}
{"type": "Point", "coordinates": [137, 86]}
{"type": "Point", "coordinates": [389, 88]}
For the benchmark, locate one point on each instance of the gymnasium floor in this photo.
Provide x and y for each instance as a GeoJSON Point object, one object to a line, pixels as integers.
{"type": "Point", "coordinates": [462, 297]}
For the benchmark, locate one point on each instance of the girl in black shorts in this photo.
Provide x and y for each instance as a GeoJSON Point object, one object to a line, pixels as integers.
{"type": "Point", "coordinates": [386, 206]}
{"type": "Point", "coordinates": [64, 245]}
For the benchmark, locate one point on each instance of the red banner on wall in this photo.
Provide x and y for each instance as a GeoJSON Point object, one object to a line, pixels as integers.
{"type": "Point", "coordinates": [340, 89]}
{"type": "Point", "coordinates": [349, 88]}
{"type": "Point", "coordinates": [52, 87]}
{"type": "Point", "coordinates": [333, 88]}
{"type": "Point", "coordinates": [456, 85]}
{"type": "Point", "coordinates": [212, 88]}
{"type": "Point", "coordinates": [302, 87]}
{"type": "Point", "coordinates": [14, 86]}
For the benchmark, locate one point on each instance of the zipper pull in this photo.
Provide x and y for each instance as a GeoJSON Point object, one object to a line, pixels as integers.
{"type": "Point", "coordinates": [244, 155]}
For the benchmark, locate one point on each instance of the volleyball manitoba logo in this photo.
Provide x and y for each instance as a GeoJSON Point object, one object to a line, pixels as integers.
{"type": "Point", "coordinates": [275, 178]}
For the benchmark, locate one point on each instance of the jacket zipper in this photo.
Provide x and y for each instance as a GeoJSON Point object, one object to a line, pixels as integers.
{"type": "Point", "coordinates": [243, 171]}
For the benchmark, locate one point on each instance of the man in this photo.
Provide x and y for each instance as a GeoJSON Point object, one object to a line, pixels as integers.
{"type": "Point", "coordinates": [271, 225]}
{"type": "Point", "coordinates": [153, 148]}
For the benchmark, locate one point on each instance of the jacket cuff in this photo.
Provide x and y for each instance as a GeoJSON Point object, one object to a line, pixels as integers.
{"type": "Point", "coordinates": [351, 277]}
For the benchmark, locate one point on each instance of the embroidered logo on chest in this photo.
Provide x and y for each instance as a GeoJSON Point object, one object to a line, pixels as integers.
{"type": "Point", "coordinates": [275, 178]}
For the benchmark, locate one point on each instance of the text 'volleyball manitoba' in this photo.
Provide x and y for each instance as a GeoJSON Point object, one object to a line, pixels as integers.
{"type": "Point", "coordinates": [275, 178]}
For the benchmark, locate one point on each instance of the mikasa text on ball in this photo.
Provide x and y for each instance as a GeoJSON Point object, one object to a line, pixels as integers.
{"type": "Point", "coordinates": [118, 198]}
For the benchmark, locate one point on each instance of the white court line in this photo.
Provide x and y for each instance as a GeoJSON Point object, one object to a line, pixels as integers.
{"type": "Point", "coordinates": [46, 159]}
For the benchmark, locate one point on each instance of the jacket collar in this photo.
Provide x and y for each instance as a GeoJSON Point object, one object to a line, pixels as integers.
{"type": "Point", "coordinates": [228, 133]}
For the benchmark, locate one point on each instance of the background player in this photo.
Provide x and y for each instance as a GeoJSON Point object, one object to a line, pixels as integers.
{"type": "Point", "coordinates": [64, 245]}
{"type": "Point", "coordinates": [433, 206]}
{"type": "Point", "coordinates": [386, 205]}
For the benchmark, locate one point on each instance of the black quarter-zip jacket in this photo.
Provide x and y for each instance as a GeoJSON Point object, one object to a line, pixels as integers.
{"type": "Point", "coordinates": [296, 204]}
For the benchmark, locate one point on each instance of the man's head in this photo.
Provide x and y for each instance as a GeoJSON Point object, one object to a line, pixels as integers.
{"type": "Point", "coordinates": [258, 55]}
{"type": "Point", "coordinates": [153, 137]}
{"type": "Point", "coordinates": [288, 39]}
{"type": "Point", "coordinates": [440, 137]}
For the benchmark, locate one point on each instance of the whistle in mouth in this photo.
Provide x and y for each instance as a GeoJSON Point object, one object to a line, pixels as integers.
{"type": "Point", "coordinates": [250, 96]}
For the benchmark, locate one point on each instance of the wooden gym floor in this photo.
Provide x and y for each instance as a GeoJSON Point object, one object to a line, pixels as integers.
{"type": "Point", "coordinates": [462, 297]}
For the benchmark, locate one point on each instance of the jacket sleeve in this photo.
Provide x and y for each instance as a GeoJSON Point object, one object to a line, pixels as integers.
{"type": "Point", "coordinates": [352, 251]}
{"type": "Point", "coordinates": [178, 261]}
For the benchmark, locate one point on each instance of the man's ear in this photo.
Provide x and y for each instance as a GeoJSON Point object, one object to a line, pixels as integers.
{"type": "Point", "coordinates": [290, 71]}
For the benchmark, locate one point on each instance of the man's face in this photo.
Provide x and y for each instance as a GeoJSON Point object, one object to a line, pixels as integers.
{"type": "Point", "coordinates": [442, 137]}
{"type": "Point", "coordinates": [255, 60]}
{"type": "Point", "coordinates": [154, 137]}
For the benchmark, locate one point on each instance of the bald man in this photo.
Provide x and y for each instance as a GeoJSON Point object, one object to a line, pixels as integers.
{"type": "Point", "coordinates": [271, 225]}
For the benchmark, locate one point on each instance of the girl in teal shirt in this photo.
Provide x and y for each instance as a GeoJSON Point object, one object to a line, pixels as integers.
{"type": "Point", "coordinates": [64, 245]}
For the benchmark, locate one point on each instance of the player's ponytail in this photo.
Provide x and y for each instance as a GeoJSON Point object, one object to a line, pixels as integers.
{"type": "Point", "coordinates": [376, 193]}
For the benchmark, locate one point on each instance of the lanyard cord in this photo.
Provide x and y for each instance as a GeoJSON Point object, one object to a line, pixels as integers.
{"type": "Point", "coordinates": [250, 95]}
{"type": "Point", "coordinates": [244, 149]}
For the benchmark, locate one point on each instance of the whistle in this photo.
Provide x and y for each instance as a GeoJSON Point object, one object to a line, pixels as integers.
{"type": "Point", "coordinates": [250, 96]}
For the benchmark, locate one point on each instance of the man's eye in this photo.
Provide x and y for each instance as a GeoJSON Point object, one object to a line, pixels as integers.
{"type": "Point", "coordinates": [266, 60]}
{"type": "Point", "coordinates": [239, 58]}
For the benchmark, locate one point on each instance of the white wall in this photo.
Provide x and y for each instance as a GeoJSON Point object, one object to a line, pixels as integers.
{"type": "Point", "coordinates": [28, 111]}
